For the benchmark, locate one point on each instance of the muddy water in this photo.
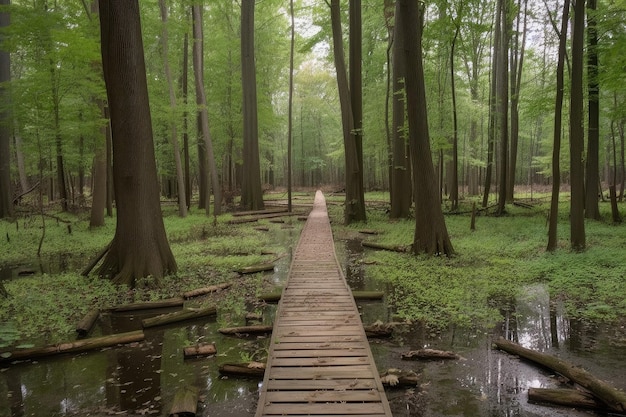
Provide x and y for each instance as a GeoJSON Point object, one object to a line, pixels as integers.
{"type": "Point", "coordinates": [142, 379]}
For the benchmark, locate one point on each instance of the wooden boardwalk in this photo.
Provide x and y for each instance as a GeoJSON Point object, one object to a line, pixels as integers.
{"type": "Point", "coordinates": [319, 363]}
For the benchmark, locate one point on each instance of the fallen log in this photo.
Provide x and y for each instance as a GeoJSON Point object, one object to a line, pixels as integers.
{"type": "Point", "coordinates": [252, 317]}
{"type": "Point", "coordinates": [148, 305]}
{"type": "Point", "coordinates": [243, 220]}
{"type": "Point", "coordinates": [430, 354]}
{"type": "Point", "coordinates": [368, 232]}
{"type": "Point", "coordinates": [206, 290]}
{"type": "Point", "coordinates": [614, 399]}
{"type": "Point", "coordinates": [86, 324]}
{"type": "Point", "coordinates": [185, 402]}
{"type": "Point", "coordinates": [77, 346]}
{"type": "Point", "coordinates": [259, 212]}
{"type": "Point", "coordinates": [378, 331]}
{"type": "Point", "coordinates": [246, 369]}
{"type": "Point", "coordinates": [255, 268]}
{"type": "Point", "coordinates": [566, 397]}
{"type": "Point", "coordinates": [393, 248]}
{"type": "Point", "coordinates": [396, 378]}
{"type": "Point", "coordinates": [248, 330]}
{"type": "Point", "coordinates": [196, 351]}
{"type": "Point", "coordinates": [187, 314]}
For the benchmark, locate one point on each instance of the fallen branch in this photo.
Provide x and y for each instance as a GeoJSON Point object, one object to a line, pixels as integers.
{"type": "Point", "coordinates": [77, 346]}
{"type": "Point", "coordinates": [260, 212]}
{"type": "Point", "coordinates": [199, 350]}
{"type": "Point", "coordinates": [246, 330]}
{"type": "Point", "coordinates": [178, 316]}
{"type": "Point", "coordinates": [206, 290]}
{"type": "Point", "coordinates": [248, 369]}
{"type": "Point", "coordinates": [148, 305]}
{"type": "Point", "coordinates": [393, 248]}
{"type": "Point", "coordinates": [429, 354]}
{"type": "Point", "coordinates": [255, 268]}
{"type": "Point", "coordinates": [86, 324]}
{"type": "Point", "coordinates": [95, 260]}
{"type": "Point", "coordinates": [565, 397]}
{"type": "Point", "coordinates": [185, 402]}
{"type": "Point", "coordinates": [614, 399]}
{"type": "Point", "coordinates": [396, 378]}
{"type": "Point", "coordinates": [378, 330]}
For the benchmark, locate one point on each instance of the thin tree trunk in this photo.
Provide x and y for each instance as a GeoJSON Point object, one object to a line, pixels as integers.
{"type": "Point", "coordinates": [21, 165]}
{"type": "Point", "coordinates": [6, 192]}
{"type": "Point", "coordinates": [292, 42]}
{"type": "Point", "coordinates": [180, 181]}
{"type": "Point", "coordinates": [492, 110]}
{"type": "Point", "coordinates": [185, 90]}
{"type": "Point", "coordinates": [556, 147]}
{"type": "Point", "coordinates": [576, 132]}
{"type": "Point", "coordinates": [454, 180]}
{"type": "Point", "coordinates": [592, 171]}
{"type": "Point", "coordinates": [502, 104]}
{"type": "Point", "coordinates": [198, 66]}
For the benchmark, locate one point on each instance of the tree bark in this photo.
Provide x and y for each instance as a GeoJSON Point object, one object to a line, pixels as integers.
{"type": "Point", "coordinates": [556, 146]}
{"type": "Point", "coordinates": [203, 115]}
{"type": "Point", "coordinates": [251, 191]}
{"type": "Point", "coordinates": [401, 196]}
{"type": "Point", "coordinates": [139, 248]}
{"type": "Point", "coordinates": [502, 103]}
{"type": "Point", "coordinates": [180, 180]}
{"type": "Point", "coordinates": [576, 132]}
{"type": "Point", "coordinates": [6, 192]}
{"type": "Point", "coordinates": [592, 171]}
{"type": "Point", "coordinates": [614, 399]}
{"type": "Point", "coordinates": [431, 234]}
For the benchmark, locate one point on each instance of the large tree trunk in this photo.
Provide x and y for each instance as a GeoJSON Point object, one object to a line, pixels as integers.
{"type": "Point", "coordinates": [576, 132]}
{"type": "Point", "coordinates": [401, 167]}
{"type": "Point", "coordinates": [180, 181]}
{"type": "Point", "coordinates": [592, 172]}
{"type": "Point", "coordinates": [203, 116]}
{"type": "Point", "coordinates": [6, 193]}
{"type": "Point", "coordinates": [139, 248]}
{"type": "Point", "coordinates": [431, 234]}
{"type": "Point", "coordinates": [454, 172]}
{"type": "Point", "coordinates": [556, 147]}
{"type": "Point", "coordinates": [251, 191]}
{"type": "Point", "coordinates": [492, 129]}
{"type": "Point", "coordinates": [502, 103]}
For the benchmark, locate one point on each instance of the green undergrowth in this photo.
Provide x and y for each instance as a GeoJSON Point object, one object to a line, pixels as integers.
{"type": "Point", "coordinates": [493, 265]}
{"type": "Point", "coordinates": [45, 308]}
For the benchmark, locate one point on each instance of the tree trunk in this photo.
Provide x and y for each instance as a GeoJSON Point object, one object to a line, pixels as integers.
{"type": "Point", "coordinates": [203, 117]}
{"type": "Point", "coordinates": [401, 168]}
{"type": "Point", "coordinates": [355, 204]}
{"type": "Point", "coordinates": [431, 234]}
{"type": "Point", "coordinates": [614, 399]}
{"type": "Point", "coordinates": [492, 129]}
{"type": "Point", "coordinates": [592, 171]}
{"type": "Point", "coordinates": [21, 166]}
{"type": "Point", "coordinates": [178, 316]}
{"type": "Point", "coordinates": [99, 181]}
{"type": "Point", "coordinates": [576, 132]}
{"type": "Point", "coordinates": [251, 191]}
{"type": "Point", "coordinates": [571, 398]}
{"type": "Point", "coordinates": [556, 147]}
{"type": "Point", "coordinates": [454, 180]}
{"type": "Point", "coordinates": [139, 248]}
{"type": "Point", "coordinates": [292, 42]}
{"type": "Point", "coordinates": [6, 192]}
{"type": "Point", "coordinates": [502, 103]}
{"type": "Point", "coordinates": [180, 180]}
{"type": "Point", "coordinates": [185, 90]}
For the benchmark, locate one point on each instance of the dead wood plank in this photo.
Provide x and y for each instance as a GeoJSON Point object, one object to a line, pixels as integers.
{"type": "Point", "coordinates": [323, 396]}
{"type": "Point", "coordinates": [319, 361]}
{"type": "Point", "coordinates": [189, 314]}
{"type": "Point", "coordinates": [148, 305]}
{"type": "Point", "coordinates": [324, 409]}
{"type": "Point", "coordinates": [206, 290]}
{"type": "Point", "coordinates": [321, 384]}
{"type": "Point", "coordinates": [77, 346]}
{"type": "Point", "coordinates": [614, 399]}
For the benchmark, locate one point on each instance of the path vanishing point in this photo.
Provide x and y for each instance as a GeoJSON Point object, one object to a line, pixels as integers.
{"type": "Point", "coordinates": [320, 363]}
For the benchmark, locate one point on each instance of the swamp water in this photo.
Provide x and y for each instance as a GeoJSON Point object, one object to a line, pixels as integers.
{"type": "Point", "coordinates": [142, 379]}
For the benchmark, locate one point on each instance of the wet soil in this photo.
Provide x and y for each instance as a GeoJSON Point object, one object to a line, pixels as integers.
{"type": "Point", "coordinates": [142, 379]}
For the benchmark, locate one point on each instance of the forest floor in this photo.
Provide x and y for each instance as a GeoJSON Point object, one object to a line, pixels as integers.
{"type": "Point", "coordinates": [449, 303]}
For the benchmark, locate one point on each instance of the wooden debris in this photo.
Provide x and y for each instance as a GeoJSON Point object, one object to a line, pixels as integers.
{"type": "Point", "coordinates": [272, 297]}
{"type": "Point", "coordinates": [397, 378]}
{"type": "Point", "coordinates": [430, 354]}
{"type": "Point", "coordinates": [95, 260]}
{"type": "Point", "coordinates": [566, 397]}
{"type": "Point", "coordinates": [148, 305]}
{"type": "Point", "coordinates": [185, 402]}
{"type": "Point", "coordinates": [262, 229]}
{"type": "Point", "coordinates": [187, 314]}
{"type": "Point", "coordinates": [247, 369]}
{"type": "Point", "coordinates": [614, 399]}
{"type": "Point", "coordinates": [76, 346]}
{"type": "Point", "coordinates": [368, 232]}
{"type": "Point", "coordinates": [246, 330]}
{"type": "Point", "coordinates": [205, 349]}
{"type": "Point", "coordinates": [256, 268]}
{"type": "Point", "coordinates": [393, 248]}
{"type": "Point", "coordinates": [206, 290]}
{"type": "Point", "coordinates": [378, 330]}
{"type": "Point", "coordinates": [250, 317]}
{"type": "Point", "coordinates": [86, 324]}
{"type": "Point", "coordinates": [259, 212]}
